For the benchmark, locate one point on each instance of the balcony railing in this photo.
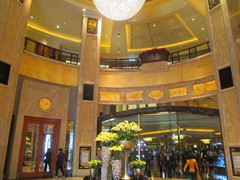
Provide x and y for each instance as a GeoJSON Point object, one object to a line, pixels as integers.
{"type": "Point", "coordinates": [50, 52]}
{"type": "Point", "coordinates": [105, 63]}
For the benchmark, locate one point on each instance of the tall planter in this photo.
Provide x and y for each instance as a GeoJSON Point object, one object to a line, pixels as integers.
{"type": "Point", "coordinates": [116, 169]}
{"type": "Point", "coordinates": [93, 173]}
{"type": "Point", "coordinates": [106, 155]}
{"type": "Point", "coordinates": [138, 173]}
{"type": "Point", "coordinates": [128, 145]}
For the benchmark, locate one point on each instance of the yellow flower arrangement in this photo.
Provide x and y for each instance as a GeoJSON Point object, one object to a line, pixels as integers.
{"type": "Point", "coordinates": [94, 164]}
{"type": "Point", "coordinates": [126, 130]}
{"type": "Point", "coordinates": [116, 151]}
{"type": "Point", "coordinates": [107, 138]}
{"type": "Point", "coordinates": [137, 164]}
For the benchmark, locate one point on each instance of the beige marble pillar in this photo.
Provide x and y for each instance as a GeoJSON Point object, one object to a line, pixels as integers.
{"type": "Point", "coordinates": [13, 20]}
{"type": "Point", "coordinates": [225, 53]}
{"type": "Point", "coordinates": [87, 107]}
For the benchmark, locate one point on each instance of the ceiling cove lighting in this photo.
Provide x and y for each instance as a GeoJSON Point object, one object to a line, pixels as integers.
{"type": "Point", "coordinates": [118, 9]}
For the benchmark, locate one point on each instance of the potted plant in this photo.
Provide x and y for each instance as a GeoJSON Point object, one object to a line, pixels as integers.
{"type": "Point", "coordinates": [138, 167]}
{"type": "Point", "coordinates": [94, 165]}
{"type": "Point", "coordinates": [116, 152]}
{"type": "Point", "coordinates": [116, 161]}
{"type": "Point", "coordinates": [155, 54]}
{"type": "Point", "coordinates": [138, 164]}
{"type": "Point", "coordinates": [106, 139]}
{"type": "Point", "coordinates": [126, 131]}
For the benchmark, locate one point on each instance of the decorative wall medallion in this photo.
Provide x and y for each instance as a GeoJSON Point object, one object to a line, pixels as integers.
{"type": "Point", "coordinates": [213, 3]}
{"type": "Point", "coordinates": [92, 26]}
{"type": "Point", "coordinates": [45, 104]}
{"type": "Point", "coordinates": [156, 94]}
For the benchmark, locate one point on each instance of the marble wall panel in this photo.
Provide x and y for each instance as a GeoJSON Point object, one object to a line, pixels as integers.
{"type": "Point", "coordinates": [31, 94]}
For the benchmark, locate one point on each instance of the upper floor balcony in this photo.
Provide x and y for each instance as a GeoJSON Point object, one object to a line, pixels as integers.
{"type": "Point", "coordinates": [107, 63]}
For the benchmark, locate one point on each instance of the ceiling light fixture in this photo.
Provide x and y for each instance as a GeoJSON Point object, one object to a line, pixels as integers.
{"type": "Point", "coordinates": [118, 9]}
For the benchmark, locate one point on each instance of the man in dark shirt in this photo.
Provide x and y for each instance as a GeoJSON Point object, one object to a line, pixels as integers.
{"type": "Point", "coordinates": [47, 160]}
{"type": "Point", "coordinates": [60, 162]}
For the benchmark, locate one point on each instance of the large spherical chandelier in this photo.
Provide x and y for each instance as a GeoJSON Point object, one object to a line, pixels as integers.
{"type": "Point", "coordinates": [118, 9]}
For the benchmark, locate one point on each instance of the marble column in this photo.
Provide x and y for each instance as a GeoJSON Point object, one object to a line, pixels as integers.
{"type": "Point", "coordinates": [87, 101]}
{"type": "Point", "coordinates": [13, 21]}
{"type": "Point", "coordinates": [223, 20]}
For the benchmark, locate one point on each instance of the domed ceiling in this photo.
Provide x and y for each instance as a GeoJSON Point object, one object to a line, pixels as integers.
{"type": "Point", "coordinates": [173, 24]}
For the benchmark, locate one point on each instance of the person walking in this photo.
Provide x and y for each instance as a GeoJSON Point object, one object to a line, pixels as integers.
{"type": "Point", "coordinates": [193, 167]}
{"type": "Point", "coordinates": [47, 160]}
{"type": "Point", "coordinates": [60, 162]}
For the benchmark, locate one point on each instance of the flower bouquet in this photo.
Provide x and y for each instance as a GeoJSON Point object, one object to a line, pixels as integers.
{"type": "Point", "coordinates": [107, 138]}
{"type": "Point", "coordinates": [126, 130]}
{"type": "Point", "coordinates": [138, 164]}
{"type": "Point", "coordinates": [117, 151]}
{"type": "Point", "coordinates": [94, 164]}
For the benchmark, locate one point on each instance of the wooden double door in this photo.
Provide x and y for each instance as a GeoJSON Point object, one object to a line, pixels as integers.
{"type": "Point", "coordinates": [39, 136]}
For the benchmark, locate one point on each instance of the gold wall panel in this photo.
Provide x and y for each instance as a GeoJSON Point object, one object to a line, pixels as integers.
{"type": "Point", "coordinates": [134, 96]}
{"type": "Point", "coordinates": [204, 87]}
{"type": "Point", "coordinates": [110, 96]}
{"type": "Point", "coordinates": [156, 94]}
{"type": "Point", "coordinates": [38, 67]}
{"type": "Point", "coordinates": [176, 92]}
{"type": "Point", "coordinates": [180, 72]}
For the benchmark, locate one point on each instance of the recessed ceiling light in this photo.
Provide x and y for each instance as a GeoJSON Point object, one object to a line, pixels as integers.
{"type": "Point", "coordinates": [83, 9]}
{"type": "Point", "coordinates": [202, 28]}
{"type": "Point", "coordinates": [31, 17]}
{"type": "Point", "coordinates": [154, 25]}
{"type": "Point", "coordinates": [193, 19]}
{"type": "Point", "coordinates": [64, 23]}
{"type": "Point", "coordinates": [58, 26]}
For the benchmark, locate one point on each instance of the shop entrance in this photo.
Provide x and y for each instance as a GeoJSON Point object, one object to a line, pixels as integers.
{"type": "Point", "coordinates": [39, 136]}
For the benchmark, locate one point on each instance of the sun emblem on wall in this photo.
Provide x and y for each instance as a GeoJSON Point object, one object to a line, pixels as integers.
{"type": "Point", "coordinates": [45, 104]}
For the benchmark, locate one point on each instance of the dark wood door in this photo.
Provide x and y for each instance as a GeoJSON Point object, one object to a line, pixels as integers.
{"type": "Point", "coordinates": [39, 135]}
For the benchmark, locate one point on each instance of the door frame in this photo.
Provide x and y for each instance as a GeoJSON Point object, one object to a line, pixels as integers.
{"type": "Point", "coordinates": [41, 121]}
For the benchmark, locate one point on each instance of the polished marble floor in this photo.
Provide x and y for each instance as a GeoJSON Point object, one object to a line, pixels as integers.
{"type": "Point", "coordinates": [81, 178]}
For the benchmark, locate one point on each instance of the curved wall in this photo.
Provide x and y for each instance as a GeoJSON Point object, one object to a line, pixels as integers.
{"type": "Point", "coordinates": [154, 83]}
{"type": "Point", "coordinates": [176, 73]}
{"type": "Point", "coordinates": [41, 68]}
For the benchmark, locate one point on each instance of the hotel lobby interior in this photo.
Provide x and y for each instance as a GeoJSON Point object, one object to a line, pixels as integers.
{"type": "Point", "coordinates": [71, 69]}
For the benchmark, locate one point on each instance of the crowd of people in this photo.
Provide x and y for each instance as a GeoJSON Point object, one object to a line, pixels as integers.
{"type": "Point", "coordinates": [173, 164]}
